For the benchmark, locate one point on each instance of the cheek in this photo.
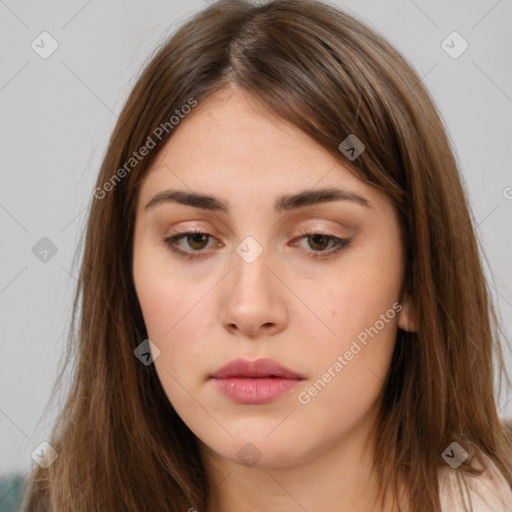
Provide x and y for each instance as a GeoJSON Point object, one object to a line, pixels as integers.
{"type": "Point", "coordinates": [162, 296]}
{"type": "Point", "coordinates": [362, 305]}
{"type": "Point", "coordinates": [173, 313]}
{"type": "Point", "coordinates": [352, 366]}
{"type": "Point", "coordinates": [358, 299]}
{"type": "Point", "coordinates": [159, 302]}
{"type": "Point", "coordinates": [372, 281]}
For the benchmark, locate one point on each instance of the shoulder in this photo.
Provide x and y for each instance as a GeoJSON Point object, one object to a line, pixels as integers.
{"type": "Point", "coordinates": [488, 492]}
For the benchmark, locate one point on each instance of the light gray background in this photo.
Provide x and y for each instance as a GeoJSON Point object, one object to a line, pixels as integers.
{"type": "Point", "coordinates": [57, 114]}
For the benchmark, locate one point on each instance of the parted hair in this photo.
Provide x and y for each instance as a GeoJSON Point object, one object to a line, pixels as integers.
{"type": "Point", "coordinates": [121, 445]}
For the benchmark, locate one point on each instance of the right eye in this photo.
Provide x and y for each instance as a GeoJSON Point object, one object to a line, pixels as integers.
{"type": "Point", "coordinates": [196, 241]}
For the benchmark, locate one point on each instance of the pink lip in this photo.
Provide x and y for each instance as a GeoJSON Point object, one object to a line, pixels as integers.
{"type": "Point", "coordinates": [255, 382]}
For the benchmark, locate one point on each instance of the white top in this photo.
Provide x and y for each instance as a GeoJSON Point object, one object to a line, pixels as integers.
{"type": "Point", "coordinates": [490, 492]}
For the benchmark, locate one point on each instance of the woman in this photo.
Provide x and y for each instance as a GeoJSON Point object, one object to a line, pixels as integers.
{"type": "Point", "coordinates": [282, 300]}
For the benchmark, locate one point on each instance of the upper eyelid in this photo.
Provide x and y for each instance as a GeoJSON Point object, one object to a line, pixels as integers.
{"type": "Point", "coordinates": [327, 224]}
{"type": "Point", "coordinates": [302, 233]}
{"type": "Point", "coordinates": [308, 229]}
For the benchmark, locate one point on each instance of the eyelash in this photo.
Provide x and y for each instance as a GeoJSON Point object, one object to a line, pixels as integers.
{"type": "Point", "coordinates": [338, 244]}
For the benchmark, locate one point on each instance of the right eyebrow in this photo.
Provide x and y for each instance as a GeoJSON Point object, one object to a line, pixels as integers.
{"type": "Point", "coordinates": [189, 199]}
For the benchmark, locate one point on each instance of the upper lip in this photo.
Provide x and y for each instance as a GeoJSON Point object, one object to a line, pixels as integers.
{"type": "Point", "coordinates": [256, 368]}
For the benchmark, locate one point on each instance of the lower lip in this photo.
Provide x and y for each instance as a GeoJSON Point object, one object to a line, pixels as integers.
{"type": "Point", "coordinates": [255, 390]}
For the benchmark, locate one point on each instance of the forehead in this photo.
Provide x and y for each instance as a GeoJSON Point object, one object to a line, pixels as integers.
{"type": "Point", "coordinates": [231, 127]}
{"type": "Point", "coordinates": [233, 147]}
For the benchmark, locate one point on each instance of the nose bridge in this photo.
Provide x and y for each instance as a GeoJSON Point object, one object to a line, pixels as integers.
{"type": "Point", "coordinates": [253, 301]}
{"type": "Point", "coordinates": [250, 249]}
{"type": "Point", "coordinates": [251, 272]}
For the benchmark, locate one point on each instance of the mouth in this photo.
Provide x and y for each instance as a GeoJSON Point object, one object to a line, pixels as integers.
{"type": "Point", "coordinates": [255, 382]}
{"type": "Point", "coordinates": [259, 368]}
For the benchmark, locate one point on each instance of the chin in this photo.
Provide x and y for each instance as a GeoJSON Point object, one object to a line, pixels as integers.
{"type": "Point", "coordinates": [252, 451]}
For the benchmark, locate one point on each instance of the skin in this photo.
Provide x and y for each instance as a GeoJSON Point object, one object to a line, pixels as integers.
{"type": "Point", "coordinates": [285, 305]}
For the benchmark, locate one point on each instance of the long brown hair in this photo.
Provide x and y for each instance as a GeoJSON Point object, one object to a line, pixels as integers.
{"type": "Point", "coordinates": [121, 445]}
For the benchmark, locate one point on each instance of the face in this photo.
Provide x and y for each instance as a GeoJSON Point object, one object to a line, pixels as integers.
{"type": "Point", "coordinates": [260, 264]}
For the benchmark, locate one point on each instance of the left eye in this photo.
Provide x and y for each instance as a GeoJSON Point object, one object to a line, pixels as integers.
{"type": "Point", "coordinates": [324, 245]}
{"type": "Point", "coordinates": [321, 245]}
{"type": "Point", "coordinates": [319, 242]}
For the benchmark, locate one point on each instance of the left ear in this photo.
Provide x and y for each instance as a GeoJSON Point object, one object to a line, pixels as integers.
{"type": "Point", "coordinates": [406, 317]}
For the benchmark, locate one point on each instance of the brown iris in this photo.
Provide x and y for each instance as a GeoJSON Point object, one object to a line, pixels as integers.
{"type": "Point", "coordinates": [320, 241]}
{"type": "Point", "coordinates": [197, 238]}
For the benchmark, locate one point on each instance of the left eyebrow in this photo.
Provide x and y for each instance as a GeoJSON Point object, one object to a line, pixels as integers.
{"type": "Point", "coordinates": [282, 203]}
{"type": "Point", "coordinates": [312, 197]}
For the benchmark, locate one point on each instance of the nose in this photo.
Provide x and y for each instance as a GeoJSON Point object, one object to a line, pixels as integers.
{"type": "Point", "coordinates": [255, 299]}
